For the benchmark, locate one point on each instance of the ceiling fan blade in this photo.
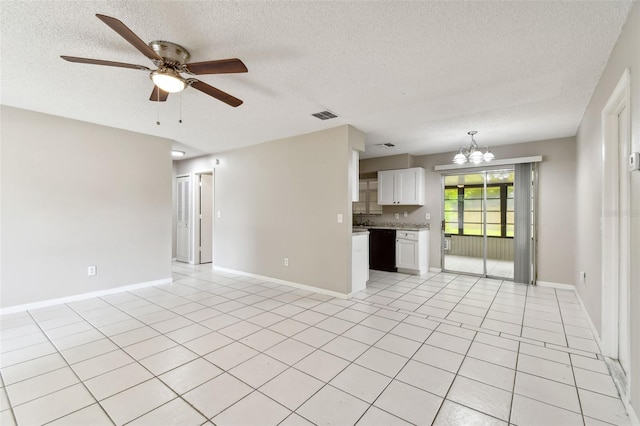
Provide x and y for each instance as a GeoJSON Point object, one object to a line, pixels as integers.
{"type": "Point", "coordinates": [158, 95]}
{"type": "Point", "coordinates": [221, 66]}
{"type": "Point", "coordinates": [130, 36]}
{"type": "Point", "coordinates": [216, 93]}
{"type": "Point", "coordinates": [101, 62]}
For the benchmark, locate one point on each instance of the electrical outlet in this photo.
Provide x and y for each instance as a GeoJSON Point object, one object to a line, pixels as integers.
{"type": "Point", "coordinates": [286, 261]}
{"type": "Point", "coordinates": [397, 216]}
{"type": "Point", "coordinates": [406, 214]}
{"type": "Point", "coordinates": [92, 270]}
{"type": "Point", "coordinates": [219, 214]}
{"type": "Point", "coordinates": [427, 216]}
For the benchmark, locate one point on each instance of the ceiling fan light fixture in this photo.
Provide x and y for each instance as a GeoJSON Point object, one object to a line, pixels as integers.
{"type": "Point", "coordinates": [168, 80]}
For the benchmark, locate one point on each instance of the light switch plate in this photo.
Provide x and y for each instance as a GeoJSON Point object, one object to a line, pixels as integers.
{"type": "Point", "coordinates": [397, 216]}
{"type": "Point", "coordinates": [427, 216]}
{"type": "Point", "coordinates": [339, 217]}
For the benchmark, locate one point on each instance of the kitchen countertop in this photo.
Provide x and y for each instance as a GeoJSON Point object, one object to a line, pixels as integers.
{"type": "Point", "coordinates": [360, 231]}
{"type": "Point", "coordinates": [394, 226]}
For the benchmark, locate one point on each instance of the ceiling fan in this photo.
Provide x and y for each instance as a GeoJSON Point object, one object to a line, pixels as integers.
{"type": "Point", "coordinates": [171, 60]}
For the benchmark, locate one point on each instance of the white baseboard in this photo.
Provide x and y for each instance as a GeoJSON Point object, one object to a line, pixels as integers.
{"type": "Point", "coordinates": [624, 397]}
{"type": "Point", "coordinates": [556, 285]}
{"type": "Point", "coordinates": [436, 270]}
{"type": "Point", "coordinates": [593, 328]}
{"type": "Point", "coordinates": [83, 296]}
{"type": "Point", "coordinates": [633, 417]}
{"type": "Point", "coordinates": [284, 282]}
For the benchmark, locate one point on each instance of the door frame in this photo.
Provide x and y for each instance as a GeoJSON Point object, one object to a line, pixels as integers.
{"type": "Point", "coordinates": [612, 214]}
{"type": "Point", "coordinates": [471, 170]}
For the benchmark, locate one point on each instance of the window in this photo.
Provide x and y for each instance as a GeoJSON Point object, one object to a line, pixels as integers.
{"type": "Point", "coordinates": [368, 203]}
{"type": "Point", "coordinates": [463, 209]}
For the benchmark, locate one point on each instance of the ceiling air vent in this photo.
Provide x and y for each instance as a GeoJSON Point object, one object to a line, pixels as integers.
{"type": "Point", "coordinates": [324, 115]}
{"type": "Point", "coordinates": [386, 145]}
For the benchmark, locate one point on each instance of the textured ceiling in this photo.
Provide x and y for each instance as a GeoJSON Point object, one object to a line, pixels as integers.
{"type": "Point", "coordinates": [416, 74]}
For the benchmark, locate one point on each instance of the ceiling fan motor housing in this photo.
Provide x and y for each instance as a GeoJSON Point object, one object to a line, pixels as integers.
{"type": "Point", "coordinates": [172, 53]}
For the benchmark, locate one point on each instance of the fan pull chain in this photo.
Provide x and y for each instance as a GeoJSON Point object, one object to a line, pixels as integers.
{"type": "Point", "coordinates": [158, 109]}
{"type": "Point", "coordinates": [180, 118]}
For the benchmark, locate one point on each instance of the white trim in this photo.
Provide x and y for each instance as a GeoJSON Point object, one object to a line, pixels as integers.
{"type": "Point", "coordinates": [503, 162]}
{"type": "Point", "coordinates": [436, 270]}
{"type": "Point", "coordinates": [633, 417]}
{"type": "Point", "coordinates": [82, 296]}
{"type": "Point", "coordinates": [610, 222]}
{"type": "Point", "coordinates": [594, 331]}
{"type": "Point", "coordinates": [561, 286]}
{"type": "Point", "coordinates": [622, 390]}
{"type": "Point", "coordinates": [284, 282]}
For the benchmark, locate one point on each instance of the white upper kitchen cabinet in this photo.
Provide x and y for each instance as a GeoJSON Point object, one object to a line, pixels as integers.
{"type": "Point", "coordinates": [368, 199]}
{"type": "Point", "coordinates": [401, 187]}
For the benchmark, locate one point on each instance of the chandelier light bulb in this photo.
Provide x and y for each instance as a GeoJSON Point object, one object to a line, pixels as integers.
{"type": "Point", "coordinates": [460, 158]}
{"type": "Point", "coordinates": [476, 157]}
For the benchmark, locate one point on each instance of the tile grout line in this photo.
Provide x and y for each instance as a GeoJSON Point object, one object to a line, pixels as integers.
{"type": "Point", "coordinates": [573, 374]}
{"type": "Point", "coordinates": [75, 374]}
{"type": "Point", "coordinates": [201, 356]}
{"type": "Point", "coordinates": [188, 301]}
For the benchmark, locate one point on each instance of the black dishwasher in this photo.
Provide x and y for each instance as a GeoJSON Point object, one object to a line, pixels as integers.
{"type": "Point", "coordinates": [382, 249]}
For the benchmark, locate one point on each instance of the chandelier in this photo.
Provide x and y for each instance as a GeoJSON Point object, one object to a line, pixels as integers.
{"type": "Point", "coordinates": [472, 153]}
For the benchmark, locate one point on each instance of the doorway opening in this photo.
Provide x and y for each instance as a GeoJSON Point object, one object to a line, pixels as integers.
{"type": "Point", "coordinates": [616, 230]}
{"type": "Point", "coordinates": [194, 218]}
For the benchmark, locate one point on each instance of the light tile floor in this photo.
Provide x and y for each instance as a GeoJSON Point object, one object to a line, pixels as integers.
{"type": "Point", "coordinates": [475, 265]}
{"type": "Point", "coordinates": [223, 349]}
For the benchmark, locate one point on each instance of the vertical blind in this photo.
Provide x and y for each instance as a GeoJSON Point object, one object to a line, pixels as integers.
{"type": "Point", "coordinates": [523, 235]}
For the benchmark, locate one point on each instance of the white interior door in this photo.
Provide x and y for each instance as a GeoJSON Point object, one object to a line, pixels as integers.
{"type": "Point", "coordinates": [183, 188]}
{"type": "Point", "coordinates": [206, 218]}
{"type": "Point", "coordinates": [625, 232]}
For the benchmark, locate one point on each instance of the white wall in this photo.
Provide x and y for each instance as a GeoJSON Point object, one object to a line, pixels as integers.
{"type": "Point", "coordinates": [76, 194]}
{"type": "Point", "coordinates": [626, 54]}
{"type": "Point", "coordinates": [556, 203]}
{"type": "Point", "coordinates": [281, 199]}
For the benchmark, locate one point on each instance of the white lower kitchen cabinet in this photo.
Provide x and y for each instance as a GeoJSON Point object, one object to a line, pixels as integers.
{"type": "Point", "coordinates": [412, 252]}
{"type": "Point", "coordinates": [359, 261]}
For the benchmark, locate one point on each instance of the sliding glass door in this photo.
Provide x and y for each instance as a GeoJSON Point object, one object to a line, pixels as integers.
{"type": "Point", "coordinates": [479, 223]}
